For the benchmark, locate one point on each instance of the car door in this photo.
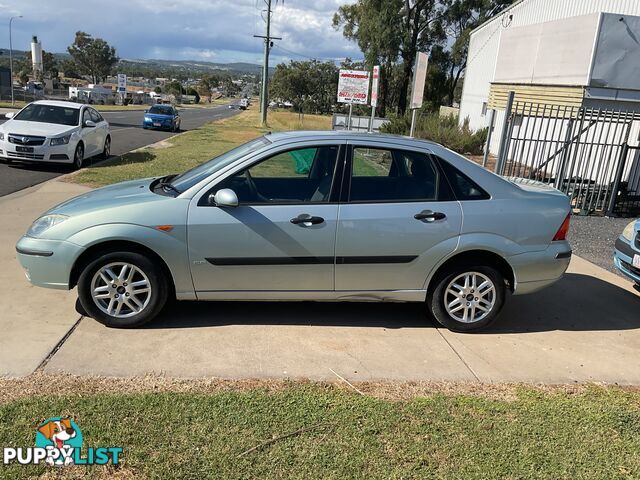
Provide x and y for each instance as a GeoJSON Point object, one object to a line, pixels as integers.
{"type": "Point", "coordinates": [398, 219]}
{"type": "Point", "coordinates": [89, 134]}
{"type": "Point", "coordinates": [102, 129]}
{"type": "Point", "coordinates": [281, 236]}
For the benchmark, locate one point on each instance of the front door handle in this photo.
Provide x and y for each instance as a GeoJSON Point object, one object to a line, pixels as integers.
{"type": "Point", "coordinates": [429, 216]}
{"type": "Point", "coordinates": [306, 220]}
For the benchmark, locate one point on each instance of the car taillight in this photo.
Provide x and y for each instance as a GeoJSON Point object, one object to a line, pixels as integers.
{"type": "Point", "coordinates": [563, 231]}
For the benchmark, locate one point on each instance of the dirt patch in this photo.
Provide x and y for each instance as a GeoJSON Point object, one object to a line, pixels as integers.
{"type": "Point", "coordinates": [41, 384]}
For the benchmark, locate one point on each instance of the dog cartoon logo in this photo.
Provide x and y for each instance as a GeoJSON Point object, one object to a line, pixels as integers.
{"type": "Point", "coordinates": [62, 434]}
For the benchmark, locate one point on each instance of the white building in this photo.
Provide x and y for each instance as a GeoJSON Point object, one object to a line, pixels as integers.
{"type": "Point", "coordinates": [557, 52]}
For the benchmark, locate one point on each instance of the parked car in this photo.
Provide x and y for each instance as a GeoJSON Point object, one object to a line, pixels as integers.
{"type": "Point", "coordinates": [56, 132]}
{"type": "Point", "coordinates": [307, 216]}
{"type": "Point", "coordinates": [626, 257]}
{"type": "Point", "coordinates": [162, 116]}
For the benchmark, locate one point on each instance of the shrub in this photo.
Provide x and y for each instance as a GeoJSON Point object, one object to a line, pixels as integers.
{"type": "Point", "coordinates": [444, 130]}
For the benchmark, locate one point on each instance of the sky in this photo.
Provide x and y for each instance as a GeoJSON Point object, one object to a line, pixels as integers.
{"type": "Point", "coordinates": [206, 30]}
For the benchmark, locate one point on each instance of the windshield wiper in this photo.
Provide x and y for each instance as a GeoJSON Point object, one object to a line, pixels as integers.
{"type": "Point", "coordinates": [165, 184]}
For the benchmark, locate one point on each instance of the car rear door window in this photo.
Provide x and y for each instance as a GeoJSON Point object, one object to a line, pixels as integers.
{"type": "Point", "coordinates": [390, 175]}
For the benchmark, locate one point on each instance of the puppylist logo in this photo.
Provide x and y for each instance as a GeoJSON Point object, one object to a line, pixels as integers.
{"type": "Point", "coordinates": [59, 442]}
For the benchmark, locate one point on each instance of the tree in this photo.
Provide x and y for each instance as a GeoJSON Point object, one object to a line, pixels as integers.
{"type": "Point", "coordinates": [70, 69]}
{"type": "Point", "coordinates": [174, 88]}
{"type": "Point", "coordinates": [378, 36]}
{"type": "Point", "coordinates": [309, 85]}
{"type": "Point", "coordinates": [461, 17]}
{"type": "Point", "coordinates": [393, 30]}
{"type": "Point", "coordinates": [207, 83]}
{"type": "Point", "coordinates": [93, 56]}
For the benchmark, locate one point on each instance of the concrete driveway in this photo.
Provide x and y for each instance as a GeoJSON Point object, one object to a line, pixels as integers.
{"type": "Point", "coordinates": [586, 328]}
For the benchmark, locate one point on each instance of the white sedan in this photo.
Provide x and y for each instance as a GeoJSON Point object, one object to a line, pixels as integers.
{"type": "Point", "coordinates": [54, 131]}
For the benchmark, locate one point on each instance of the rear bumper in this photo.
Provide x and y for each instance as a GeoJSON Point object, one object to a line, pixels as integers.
{"type": "Point", "coordinates": [623, 260]}
{"type": "Point", "coordinates": [47, 263]}
{"type": "Point", "coordinates": [534, 271]}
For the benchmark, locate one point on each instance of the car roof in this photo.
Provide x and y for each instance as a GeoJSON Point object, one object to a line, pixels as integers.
{"type": "Point", "coordinates": [306, 135]}
{"type": "Point", "coordinates": [59, 103]}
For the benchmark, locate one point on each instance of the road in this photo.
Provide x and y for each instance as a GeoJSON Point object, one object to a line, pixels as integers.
{"type": "Point", "coordinates": [127, 135]}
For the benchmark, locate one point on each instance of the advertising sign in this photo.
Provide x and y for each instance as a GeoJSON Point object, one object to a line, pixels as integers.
{"type": "Point", "coordinates": [419, 77]}
{"type": "Point", "coordinates": [122, 83]}
{"type": "Point", "coordinates": [353, 87]}
{"type": "Point", "coordinates": [374, 86]}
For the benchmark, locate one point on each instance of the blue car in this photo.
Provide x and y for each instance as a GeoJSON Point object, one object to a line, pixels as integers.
{"type": "Point", "coordinates": [164, 117]}
{"type": "Point", "coordinates": [627, 254]}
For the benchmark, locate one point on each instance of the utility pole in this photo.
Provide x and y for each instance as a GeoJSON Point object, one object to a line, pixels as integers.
{"type": "Point", "coordinates": [11, 60]}
{"type": "Point", "coordinates": [264, 100]}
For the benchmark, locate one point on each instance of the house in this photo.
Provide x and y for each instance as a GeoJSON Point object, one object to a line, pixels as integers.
{"type": "Point", "coordinates": [553, 52]}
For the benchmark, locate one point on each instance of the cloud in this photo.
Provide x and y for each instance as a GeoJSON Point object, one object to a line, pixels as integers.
{"type": "Point", "coordinates": [213, 30]}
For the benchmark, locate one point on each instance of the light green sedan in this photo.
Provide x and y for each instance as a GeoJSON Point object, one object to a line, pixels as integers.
{"type": "Point", "coordinates": [325, 216]}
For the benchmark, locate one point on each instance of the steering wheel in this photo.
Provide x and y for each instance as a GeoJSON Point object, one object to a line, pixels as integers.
{"type": "Point", "coordinates": [253, 189]}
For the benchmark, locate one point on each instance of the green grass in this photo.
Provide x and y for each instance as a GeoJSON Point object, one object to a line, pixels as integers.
{"type": "Point", "coordinates": [185, 151]}
{"type": "Point", "coordinates": [553, 435]}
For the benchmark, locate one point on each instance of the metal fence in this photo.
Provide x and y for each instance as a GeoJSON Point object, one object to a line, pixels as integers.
{"type": "Point", "coordinates": [340, 122]}
{"type": "Point", "coordinates": [592, 155]}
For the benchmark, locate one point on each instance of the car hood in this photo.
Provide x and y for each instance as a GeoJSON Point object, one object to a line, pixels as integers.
{"type": "Point", "coordinates": [112, 196]}
{"type": "Point", "coordinates": [36, 128]}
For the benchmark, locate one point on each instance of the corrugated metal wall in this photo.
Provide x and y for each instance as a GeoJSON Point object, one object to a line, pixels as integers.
{"type": "Point", "coordinates": [484, 43]}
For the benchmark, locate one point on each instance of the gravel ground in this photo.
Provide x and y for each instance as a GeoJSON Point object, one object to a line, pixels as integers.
{"type": "Point", "coordinates": [593, 238]}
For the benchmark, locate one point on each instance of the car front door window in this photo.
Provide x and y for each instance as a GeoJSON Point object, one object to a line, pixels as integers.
{"type": "Point", "coordinates": [298, 176]}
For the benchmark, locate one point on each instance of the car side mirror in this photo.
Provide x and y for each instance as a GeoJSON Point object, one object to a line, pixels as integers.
{"type": "Point", "coordinates": [89, 124]}
{"type": "Point", "coordinates": [224, 198]}
{"type": "Point", "coordinates": [9, 115]}
{"type": "Point", "coordinates": [146, 111]}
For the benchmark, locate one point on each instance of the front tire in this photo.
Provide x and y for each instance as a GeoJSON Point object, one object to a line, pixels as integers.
{"type": "Point", "coordinates": [122, 289]}
{"type": "Point", "coordinates": [467, 298]}
{"type": "Point", "coordinates": [78, 157]}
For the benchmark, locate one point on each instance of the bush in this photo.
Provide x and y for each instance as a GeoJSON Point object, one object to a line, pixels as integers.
{"type": "Point", "coordinates": [444, 130]}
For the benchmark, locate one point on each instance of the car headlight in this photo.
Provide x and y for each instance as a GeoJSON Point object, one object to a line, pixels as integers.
{"type": "Point", "coordinates": [147, 119]}
{"type": "Point", "coordinates": [60, 140]}
{"type": "Point", "coordinates": [44, 223]}
{"type": "Point", "coordinates": [627, 233]}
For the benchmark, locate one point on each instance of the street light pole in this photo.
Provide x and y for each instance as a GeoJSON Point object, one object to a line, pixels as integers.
{"type": "Point", "coordinates": [11, 59]}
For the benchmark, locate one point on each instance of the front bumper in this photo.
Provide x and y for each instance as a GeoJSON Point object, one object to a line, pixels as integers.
{"type": "Point", "coordinates": [534, 271]}
{"type": "Point", "coordinates": [47, 263]}
{"type": "Point", "coordinates": [164, 124]}
{"type": "Point", "coordinates": [41, 153]}
{"type": "Point", "coordinates": [623, 260]}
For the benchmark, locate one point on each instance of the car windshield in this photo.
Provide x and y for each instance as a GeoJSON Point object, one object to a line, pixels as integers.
{"type": "Point", "coordinates": [191, 177]}
{"type": "Point", "coordinates": [161, 110]}
{"type": "Point", "coordinates": [49, 114]}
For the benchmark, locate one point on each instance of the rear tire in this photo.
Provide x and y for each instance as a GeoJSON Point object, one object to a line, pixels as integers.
{"type": "Point", "coordinates": [122, 289]}
{"type": "Point", "coordinates": [467, 298]}
{"type": "Point", "coordinates": [106, 151]}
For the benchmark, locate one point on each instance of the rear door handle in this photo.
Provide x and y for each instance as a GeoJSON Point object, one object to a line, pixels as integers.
{"type": "Point", "coordinates": [306, 220]}
{"type": "Point", "coordinates": [429, 216]}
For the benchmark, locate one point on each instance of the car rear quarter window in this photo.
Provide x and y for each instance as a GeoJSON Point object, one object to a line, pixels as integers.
{"type": "Point", "coordinates": [463, 187]}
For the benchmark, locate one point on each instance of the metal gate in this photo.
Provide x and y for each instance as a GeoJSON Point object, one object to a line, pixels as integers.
{"type": "Point", "coordinates": [592, 155]}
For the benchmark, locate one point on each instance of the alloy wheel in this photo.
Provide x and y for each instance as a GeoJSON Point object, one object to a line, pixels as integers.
{"type": "Point", "coordinates": [470, 297]}
{"type": "Point", "coordinates": [79, 156]}
{"type": "Point", "coordinates": [120, 289]}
